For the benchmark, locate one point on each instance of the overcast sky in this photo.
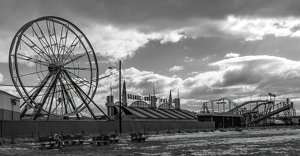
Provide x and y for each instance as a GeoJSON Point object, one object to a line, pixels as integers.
{"type": "Point", "coordinates": [206, 49]}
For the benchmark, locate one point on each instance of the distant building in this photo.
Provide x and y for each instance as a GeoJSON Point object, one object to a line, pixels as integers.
{"type": "Point", "coordinates": [222, 120]}
{"type": "Point", "coordinates": [9, 106]}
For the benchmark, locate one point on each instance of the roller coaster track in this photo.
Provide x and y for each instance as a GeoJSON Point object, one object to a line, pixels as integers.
{"type": "Point", "coordinates": [236, 106]}
{"type": "Point", "coordinates": [245, 103]}
{"type": "Point", "coordinates": [205, 109]}
{"type": "Point", "coordinates": [228, 99]}
{"type": "Point", "coordinates": [285, 107]}
{"type": "Point", "coordinates": [261, 105]}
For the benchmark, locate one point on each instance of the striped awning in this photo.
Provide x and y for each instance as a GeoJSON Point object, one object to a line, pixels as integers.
{"type": "Point", "coordinates": [156, 113]}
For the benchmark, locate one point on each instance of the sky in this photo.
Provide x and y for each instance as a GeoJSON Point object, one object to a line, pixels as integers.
{"type": "Point", "coordinates": [201, 49]}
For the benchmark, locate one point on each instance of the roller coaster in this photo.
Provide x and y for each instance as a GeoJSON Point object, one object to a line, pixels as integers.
{"type": "Point", "coordinates": [254, 112]}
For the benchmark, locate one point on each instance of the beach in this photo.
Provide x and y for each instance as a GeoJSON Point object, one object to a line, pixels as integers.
{"type": "Point", "coordinates": [249, 141]}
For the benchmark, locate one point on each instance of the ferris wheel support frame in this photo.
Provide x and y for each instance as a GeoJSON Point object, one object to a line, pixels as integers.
{"type": "Point", "coordinates": [50, 52]}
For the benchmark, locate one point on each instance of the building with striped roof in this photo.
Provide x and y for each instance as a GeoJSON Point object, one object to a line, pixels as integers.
{"type": "Point", "coordinates": [140, 110]}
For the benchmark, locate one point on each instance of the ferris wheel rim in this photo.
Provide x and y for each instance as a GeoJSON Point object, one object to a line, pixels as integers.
{"type": "Point", "coordinates": [14, 48]}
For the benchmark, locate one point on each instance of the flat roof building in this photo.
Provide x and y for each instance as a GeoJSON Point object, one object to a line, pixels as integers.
{"type": "Point", "coordinates": [9, 106]}
{"type": "Point", "coordinates": [222, 120]}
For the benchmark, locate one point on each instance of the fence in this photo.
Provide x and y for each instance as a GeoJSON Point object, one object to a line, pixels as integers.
{"type": "Point", "coordinates": [40, 128]}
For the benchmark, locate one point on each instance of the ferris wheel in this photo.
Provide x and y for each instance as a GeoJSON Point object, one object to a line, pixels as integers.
{"type": "Point", "coordinates": [54, 69]}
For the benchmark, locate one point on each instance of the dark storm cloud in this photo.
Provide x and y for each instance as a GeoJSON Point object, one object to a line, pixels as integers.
{"type": "Point", "coordinates": [109, 23]}
{"type": "Point", "coordinates": [249, 74]}
{"type": "Point", "coordinates": [139, 11]}
{"type": "Point", "coordinates": [259, 74]}
{"type": "Point", "coordinates": [207, 93]}
{"type": "Point", "coordinates": [159, 14]}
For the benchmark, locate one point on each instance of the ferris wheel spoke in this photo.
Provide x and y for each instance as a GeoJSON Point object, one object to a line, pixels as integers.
{"type": "Point", "coordinates": [69, 99]}
{"type": "Point", "coordinates": [78, 57]}
{"type": "Point", "coordinates": [80, 92]}
{"type": "Point", "coordinates": [52, 84]}
{"type": "Point", "coordinates": [43, 44]}
{"type": "Point", "coordinates": [72, 46]}
{"type": "Point", "coordinates": [30, 73]}
{"type": "Point", "coordinates": [63, 39]}
{"type": "Point", "coordinates": [44, 41]}
{"type": "Point", "coordinates": [80, 85]}
{"type": "Point", "coordinates": [42, 83]}
{"type": "Point", "coordinates": [51, 34]}
{"type": "Point", "coordinates": [46, 94]}
{"type": "Point", "coordinates": [30, 59]}
{"type": "Point", "coordinates": [82, 80]}
{"type": "Point", "coordinates": [65, 91]}
{"type": "Point", "coordinates": [40, 71]}
{"type": "Point", "coordinates": [80, 68]}
{"type": "Point", "coordinates": [47, 102]}
{"type": "Point", "coordinates": [53, 93]}
{"type": "Point", "coordinates": [57, 104]}
{"type": "Point", "coordinates": [35, 48]}
{"type": "Point", "coordinates": [73, 102]}
{"type": "Point", "coordinates": [52, 37]}
{"type": "Point", "coordinates": [70, 87]}
{"type": "Point", "coordinates": [37, 89]}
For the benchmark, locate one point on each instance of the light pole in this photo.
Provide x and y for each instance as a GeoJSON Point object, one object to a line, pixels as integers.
{"type": "Point", "coordinates": [250, 103]}
{"type": "Point", "coordinates": [238, 105]}
{"type": "Point", "coordinates": [120, 117]}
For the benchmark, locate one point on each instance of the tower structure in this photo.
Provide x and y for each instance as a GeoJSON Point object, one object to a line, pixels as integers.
{"type": "Point", "coordinates": [124, 95]}
{"type": "Point", "coordinates": [177, 101]}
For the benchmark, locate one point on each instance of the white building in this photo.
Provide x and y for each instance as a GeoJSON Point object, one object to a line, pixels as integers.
{"type": "Point", "coordinates": [9, 106]}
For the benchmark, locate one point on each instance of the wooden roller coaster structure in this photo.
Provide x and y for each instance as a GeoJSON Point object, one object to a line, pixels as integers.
{"type": "Point", "coordinates": [254, 112]}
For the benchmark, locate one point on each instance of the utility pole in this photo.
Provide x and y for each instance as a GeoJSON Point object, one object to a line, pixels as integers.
{"type": "Point", "coordinates": [120, 94]}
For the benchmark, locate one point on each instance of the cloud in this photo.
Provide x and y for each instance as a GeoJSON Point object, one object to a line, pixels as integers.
{"type": "Point", "coordinates": [188, 59]}
{"type": "Point", "coordinates": [141, 83]}
{"type": "Point", "coordinates": [232, 55]}
{"type": "Point", "coordinates": [244, 76]}
{"type": "Point", "coordinates": [233, 77]}
{"type": "Point", "coordinates": [193, 73]}
{"type": "Point", "coordinates": [259, 73]}
{"type": "Point", "coordinates": [118, 44]}
{"type": "Point", "coordinates": [176, 68]}
{"type": "Point", "coordinates": [118, 31]}
{"type": "Point", "coordinates": [1, 78]}
{"type": "Point", "coordinates": [249, 28]}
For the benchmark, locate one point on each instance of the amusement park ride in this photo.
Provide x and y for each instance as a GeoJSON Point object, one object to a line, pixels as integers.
{"type": "Point", "coordinates": [54, 69]}
{"type": "Point", "coordinates": [254, 112]}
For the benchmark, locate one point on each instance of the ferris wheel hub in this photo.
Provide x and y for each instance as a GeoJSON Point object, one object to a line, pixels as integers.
{"type": "Point", "coordinates": [53, 68]}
